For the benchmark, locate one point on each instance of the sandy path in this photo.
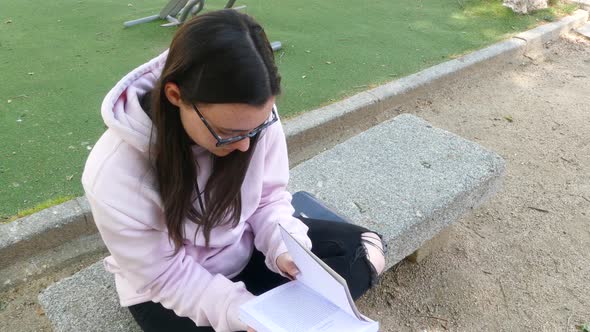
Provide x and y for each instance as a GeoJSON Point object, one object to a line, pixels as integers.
{"type": "Point", "coordinates": [522, 261]}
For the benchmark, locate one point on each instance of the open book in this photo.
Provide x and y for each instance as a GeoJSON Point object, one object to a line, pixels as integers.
{"type": "Point", "coordinates": [318, 300]}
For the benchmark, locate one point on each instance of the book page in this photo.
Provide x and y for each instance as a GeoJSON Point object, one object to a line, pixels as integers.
{"type": "Point", "coordinates": [293, 307]}
{"type": "Point", "coordinates": [319, 277]}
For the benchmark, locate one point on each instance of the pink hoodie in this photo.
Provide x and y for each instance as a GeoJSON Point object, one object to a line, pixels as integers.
{"type": "Point", "coordinates": [121, 189]}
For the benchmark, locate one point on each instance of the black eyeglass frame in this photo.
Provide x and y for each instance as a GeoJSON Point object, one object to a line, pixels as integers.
{"type": "Point", "coordinates": [230, 140]}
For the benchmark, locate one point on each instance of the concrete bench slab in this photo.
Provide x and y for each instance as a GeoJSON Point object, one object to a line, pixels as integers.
{"type": "Point", "coordinates": [402, 178]}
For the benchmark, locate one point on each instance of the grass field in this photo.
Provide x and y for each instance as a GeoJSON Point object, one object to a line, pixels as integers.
{"type": "Point", "coordinates": [59, 58]}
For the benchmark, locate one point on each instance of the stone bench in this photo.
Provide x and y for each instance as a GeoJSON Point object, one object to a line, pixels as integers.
{"type": "Point", "coordinates": [402, 178]}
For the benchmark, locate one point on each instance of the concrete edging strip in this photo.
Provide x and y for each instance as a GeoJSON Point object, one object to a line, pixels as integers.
{"type": "Point", "coordinates": [45, 230]}
{"type": "Point", "coordinates": [306, 136]}
{"type": "Point", "coordinates": [583, 4]}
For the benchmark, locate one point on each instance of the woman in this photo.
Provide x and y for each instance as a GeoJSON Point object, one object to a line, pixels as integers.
{"type": "Point", "coordinates": [187, 185]}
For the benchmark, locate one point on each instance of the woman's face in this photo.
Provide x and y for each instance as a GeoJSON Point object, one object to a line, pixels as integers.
{"type": "Point", "coordinates": [226, 120]}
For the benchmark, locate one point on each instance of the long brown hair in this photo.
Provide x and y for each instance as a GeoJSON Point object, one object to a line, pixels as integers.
{"type": "Point", "coordinates": [218, 57]}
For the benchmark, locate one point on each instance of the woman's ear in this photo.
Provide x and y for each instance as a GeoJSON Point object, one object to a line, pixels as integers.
{"type": "Point", "coordinates": [173, 94]}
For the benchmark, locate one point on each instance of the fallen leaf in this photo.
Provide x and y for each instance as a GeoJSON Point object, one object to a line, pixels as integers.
{"type": "Point", "coordinates": [31, 73]}
{"type": "Point", "coordinates": [9, 101]}
{"type": "Point", "coordinates": [69, 178]}
{"type": "Point", "coordinates": [508, 118]}
{"type": "Point", "coordinates": [8, 21]}
{"type": "Point", "coordinates": [328, 62]}
{"type": "Point", "coordinates": [40, 311]}
{"type": "Point", "coordinates": [304, 76]}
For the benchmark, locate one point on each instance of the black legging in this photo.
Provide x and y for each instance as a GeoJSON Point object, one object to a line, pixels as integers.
{"type": "Point", "coordinates": [338, 244]}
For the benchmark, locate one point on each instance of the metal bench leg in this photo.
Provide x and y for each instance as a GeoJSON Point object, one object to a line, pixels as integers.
{"type": "Point", "coordinates": [193, 7]}
{"type": "Point", "coordinates": [230, 3]}
{"type": "Point", "coordinates": [141, 20]}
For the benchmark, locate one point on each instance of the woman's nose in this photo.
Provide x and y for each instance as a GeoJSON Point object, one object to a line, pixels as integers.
{"type": "Point", "coordinates": [243, 145]}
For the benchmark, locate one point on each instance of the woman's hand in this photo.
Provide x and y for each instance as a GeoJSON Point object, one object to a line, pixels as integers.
{"type": "Point", "coordinates": [287, 266]}
{"type": "Point", "coordinates": [251, 329]}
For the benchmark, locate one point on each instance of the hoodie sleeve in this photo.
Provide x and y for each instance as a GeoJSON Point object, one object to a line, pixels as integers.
{"type": "Point", "coordinates": [275, 202]}
{"type": "Point", "coordinates": [146, 259]}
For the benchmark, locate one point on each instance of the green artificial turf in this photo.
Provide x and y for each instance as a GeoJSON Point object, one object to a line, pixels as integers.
{"type": "Point", "coordinates": [59, 58]}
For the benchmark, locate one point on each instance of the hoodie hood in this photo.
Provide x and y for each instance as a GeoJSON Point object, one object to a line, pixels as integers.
{"type": "Point", "coordinates": [121, 109]}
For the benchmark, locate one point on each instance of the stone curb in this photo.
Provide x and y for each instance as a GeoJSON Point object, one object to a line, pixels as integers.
{"type": "Point", "coordinates": [583, 4]}
{"type": "Point", "coordinates": [45, 230]}
{"type": "Point", "coordinates": [306, 135]}
{"type": "Point", "coordinates": [537, 38]}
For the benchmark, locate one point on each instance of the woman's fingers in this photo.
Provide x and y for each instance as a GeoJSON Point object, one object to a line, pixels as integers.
{"type": "Point", "coordinates": [287, 266]}
{"type": "Point", "coordinates": [292, 269]}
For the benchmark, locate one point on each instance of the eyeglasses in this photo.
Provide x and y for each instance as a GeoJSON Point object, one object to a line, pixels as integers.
{"type": "Point", "coordinates": [230, 140]}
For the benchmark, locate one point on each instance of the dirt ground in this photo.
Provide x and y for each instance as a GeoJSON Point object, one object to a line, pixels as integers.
{"type": "Point", "coordinates": [19, 308]}
{"type": "Point", "coordinates": [521, 262]}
